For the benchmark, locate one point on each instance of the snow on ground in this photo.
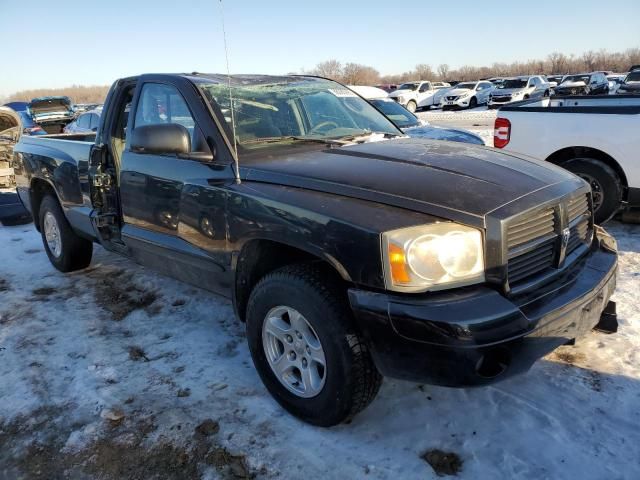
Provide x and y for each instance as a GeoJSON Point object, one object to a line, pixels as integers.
{"type": "Point", "coordinates": [117, 339]}
{"type": "Point", "coordinates": [116, 372]}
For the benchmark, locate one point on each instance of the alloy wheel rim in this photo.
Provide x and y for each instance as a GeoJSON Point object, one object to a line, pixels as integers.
{"type": "Point", "coordinates": [596, 190]}
{"type": "Point", "coordinates": [52, 234]}
{"type": "Point", "coordinates": [294, 351]}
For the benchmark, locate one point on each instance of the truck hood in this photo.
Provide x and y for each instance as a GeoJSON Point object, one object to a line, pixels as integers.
{"type": "Point", "coordinates": [46, 106]}
{"type": "Point", "coordinates": [397, 93]}
{"type": "Point", "coordinates": [456, 181]}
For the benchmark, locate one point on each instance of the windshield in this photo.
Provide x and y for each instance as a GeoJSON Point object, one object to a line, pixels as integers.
{"type": "Point", "coordinates": [399, 115]}
{"type": "Point", "coordinates": [633, 77]}
{"type": "Point", "coordinates": [467, 85]}
{"type": "Point", "coordinates": [279, 109]}
{"type": "Point", "coordinates": [576, 78]}
{"type": "Point", "coordinates": [409, 86]}
{"type": "Point", "coordinates": [513, 83]}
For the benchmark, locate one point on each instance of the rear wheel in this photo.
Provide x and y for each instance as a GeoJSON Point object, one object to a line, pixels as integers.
{"type": "Point", "coordinates": [66, 250]}
{"type": "Point", "coordinates": [305, 347]}
{"type": "Point", "coordinates": [412, 106]}
{"type": "Point", "coordinates": [606, 187]}
{"type": "Point", "coordinates": [546, 93]}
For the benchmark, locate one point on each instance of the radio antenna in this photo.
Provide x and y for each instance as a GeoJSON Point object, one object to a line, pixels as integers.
{"type": "Point", "coordinates": [233, 119]}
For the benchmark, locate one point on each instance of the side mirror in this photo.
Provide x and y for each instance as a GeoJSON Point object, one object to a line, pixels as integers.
{"type": "Point", "coordinates": [162, 138]}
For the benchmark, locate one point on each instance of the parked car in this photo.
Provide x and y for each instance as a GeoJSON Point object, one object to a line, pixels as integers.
{"type": "Point", "coordinates": [79, 108]}
{"type": "Point", "coordinates": [468, 95]}
{"type": "Point", "coordinates": [595, 138]}
{"type": "Point", "coordinates": [441, 92]}
{"type": "Point", "coordinates": [350, 251]}
{"type": "Point", "coordinates": [554, 80]}
{"type": "Point", "coordinates": [615, 80]}
{"type": "Point", "coordinates": [416, 95]}
{"type": "Point", "coordinates": [631, 83]}
{"type": "Point", "coordinates": [12, 212]}
{"type": "Point", "coordinates": [517, 89]}
{"type": "Point", "coordinates": [17, 106]}
{"type": "Point", "coordinates": [85, 122]}
{"type": "Point", "coordinates": [29, 127]}
{"type": "Point", "coordinates": [10, 127]}
{"type": "Point", "coordinates": [496, 80]}
{"type": "Point", "coordinates": [51, 113]}
{"type": "Point", "coordinates": [408, 122]}
{"type": "Point", "coordinates": [595, 83]}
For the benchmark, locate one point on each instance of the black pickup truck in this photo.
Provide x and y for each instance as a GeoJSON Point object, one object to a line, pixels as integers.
{"type": "Point", "coordinates": [350, 250]}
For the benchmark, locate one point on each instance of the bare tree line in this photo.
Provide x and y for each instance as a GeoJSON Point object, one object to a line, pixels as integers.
{"type": "Point", "coordinates": [555, 63]}
{"type": "Point", "coordinates": [77, 94]}
{"type": "Point", "coordinates": [358, 74]}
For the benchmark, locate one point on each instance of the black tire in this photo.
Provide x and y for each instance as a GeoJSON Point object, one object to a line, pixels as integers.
{"type": "Point", "coordinates": [605, 183]}
{"type": "Point", "coordinates": [473, 103]}
{"type": "Point", "coordinates": [545, 94]}
{"type": "Point", "coordinates": [75, 252]}
{"type": "Point", "coordinates": [412, 106]}
{"type": "Point", "coordinates": [352, 380]}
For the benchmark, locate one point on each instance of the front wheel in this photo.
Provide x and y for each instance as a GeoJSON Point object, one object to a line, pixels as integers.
{"type": "Point", "coordinates": [412, 106]}
{"type": "Point", "coordinates": [606, 188]}
{"type": "Point", "coordinates": [305, 347]}
{"type": "Point", "coordinates": [66, 250]}
{"type": "Point", "coordinates": [473, 103]}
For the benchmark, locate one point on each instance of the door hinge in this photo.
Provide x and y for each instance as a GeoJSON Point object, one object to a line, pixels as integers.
{"type": "Point", "coordinates": [101, 180]}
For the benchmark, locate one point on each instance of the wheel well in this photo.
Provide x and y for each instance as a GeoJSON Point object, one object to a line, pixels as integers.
{"type": "Point", "coordinates": [39, 188]}
{"type": "Point", "coordinates": [566, 154]}
{"type": "Point", "coordinates": [260, 257]}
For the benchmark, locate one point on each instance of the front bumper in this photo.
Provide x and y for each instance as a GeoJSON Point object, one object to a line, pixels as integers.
{"type": "Point", "coordinates": [475, 335]}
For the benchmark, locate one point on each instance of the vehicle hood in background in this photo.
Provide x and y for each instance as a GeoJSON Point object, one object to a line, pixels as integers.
{"type": "Point", "coordinates": [459, 91]}
{"type": "Point", "coordinates": [50, 106]}
{"type": "Point", "coordinates": [451, 180]}
{"type": "Point", "coordinates": [443, 133]}
{"type": "Point", "coordinates": [577, 84]}
{"type": "Point", "coordinates": [507, 91]}
{"type": "Point", "coordinates": [631, 87]}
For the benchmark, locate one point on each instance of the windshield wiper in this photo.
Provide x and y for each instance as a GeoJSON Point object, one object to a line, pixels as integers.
{"type": "Point", "coordinates": [341, 141]}
{"type": "Point", "coordinates": [326, 141]}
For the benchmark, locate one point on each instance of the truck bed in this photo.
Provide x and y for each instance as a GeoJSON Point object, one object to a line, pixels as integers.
{"type": "Point", "coordinates": [62, 161]}
{"type": "Point", "coordinates": [606, 104]}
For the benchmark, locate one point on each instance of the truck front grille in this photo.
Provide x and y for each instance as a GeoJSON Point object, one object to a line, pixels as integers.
{"type": "Point", "coordinates": [533, 245]}
{"type": "Point", "coordinates": [578, 215]}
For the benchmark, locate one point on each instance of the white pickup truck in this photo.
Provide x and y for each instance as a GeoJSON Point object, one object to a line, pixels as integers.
{"type": "Point", "coordinates": [597, 138]}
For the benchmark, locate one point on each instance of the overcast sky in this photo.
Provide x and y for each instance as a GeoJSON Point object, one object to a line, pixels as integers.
{"type": "Point", "coordinates": [66, 42]}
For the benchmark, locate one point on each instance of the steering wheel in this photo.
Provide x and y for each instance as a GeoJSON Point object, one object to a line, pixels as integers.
{"type": "Point", "coordinates": [322, 126]}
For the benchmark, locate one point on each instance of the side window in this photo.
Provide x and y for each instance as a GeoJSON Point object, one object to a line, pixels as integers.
{"type": "Point", "coordinates": [425, 87]}
{"type": "Point", "coordinates": [161, 103]}
{"type": "Point", "coordinates": [83, 121]}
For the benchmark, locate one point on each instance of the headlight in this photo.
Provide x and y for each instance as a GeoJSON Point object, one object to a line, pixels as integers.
{"type": "Point", "coordinates": [432, 257]}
